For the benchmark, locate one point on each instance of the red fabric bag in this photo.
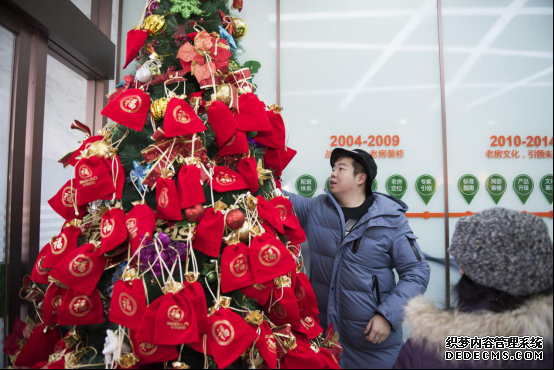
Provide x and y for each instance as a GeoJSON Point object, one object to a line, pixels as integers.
{"type": "Point", "coordinates": [52, 303]}
{"type": "Point", "coordinates": [129, 109]}
{"type": "Point", "coordinates": [310, 327]}
{"type": "Point", "coordinates": [151, 354]}
{"type": "Point", "coordinates": [117, 173]}
{"type": "Point", "coordinates": [85, 145]}
{"type": "Point", "coordinates": [237, 145]}
{"type": "Point", "coordinates": [229, 336]}
{"type": "Point", "coordinates": [93, 180]}
{"type": "Point", "coordinates": [269, 258]}
{"type": "Point", "coordinates": [147, 327]}
{"type": "Point", "coordinates": [259, 293]}
{"type": "Point", "coordinates": [176, 321]}
{"type": "Point", "coordinates": [303, 356]}
{"type": "Point", "coordinates": [305, 295]}
{"type": "Point", "coordinates": [276, 138]}
{"type": "Point", "coordinates": [209, 233]}
{"type": "Point", "coordinates": [285, 308]}
{"type": "Point", "coordinates": [63, 202]}
{"type": "Point", "coordinates": [278, 159]}
{"type": "Point", "coordinates": [128, 304]}
{"type": "Point", "coordinates": [81, 309]}
{"type": "Point", "coordinates": [113, 230]}
{"type": "Point", "coordinates": [223, 122]}
{"type": "Point", "coordinates": [135, 42]}
{"type": "Point", "coordinates": [236, 272]}
{"type": "Point", "coordinates": [181, 119]}
{"type": "Point", "coordinates": [40, 275]}
{"type": "Point", "coordinates": [197, 298]}
{"type": "Point", "coordinates": [141, 223]}
{"type": "Point", "coordinates": [81, 269]}
{"type": "Point", "coordinates": [64, 244]}
{"type": "Point", "coordinates": [267, 345]}
{"type": "Point", "coordinates": [248, 168]}
{"type": "Point", "coordinates": [226, 180]}
{"type": "Point", "coordinates": [167, 198]}
{"type": "Point", "coordinates": [191, 192]}
{"type": "Point", "coordinates": [292, 226]}
{"type": "Point", "coordinates": [251, 115]}
{"type": "Point", "coordinates": [270, 214]}
{"type": "Point", "coordinates": [38, 347]}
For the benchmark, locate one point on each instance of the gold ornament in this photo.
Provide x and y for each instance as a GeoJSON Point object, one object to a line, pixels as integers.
{"type": "Point", "coordinates": [263, 174]}
{"type": "Point", "coordinates": [225, 94]}
{"type": "Point", "coordinates": [241, 28]}
{"type": "Point", "coordinates": [232, 239]}
{"type": "Point", "coordinates": [154, 23]}
{"type": "Point", "coordinates": [275, 108]}
{"type": "Point", "coordinates": [246, 230]}
{"type": "Point", "coordinates": [99, 148]}
{"type": "Point", "coordinates": [158, 108]}
{"type": "Point", "coordinates": [180, 365]}
{"type": "Point", "coordinates": [252, 202]}
{"type": "Point", "coordinates": [220, 206]}
{"type": "Point", "coordinates": [255, 318]}
{"type": "Point", "coordinates": [128, 360]}
{"type": "Point", "coordinates": [172, 287]}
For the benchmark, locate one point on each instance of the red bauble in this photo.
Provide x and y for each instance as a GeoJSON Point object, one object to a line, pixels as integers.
{"type": "Point", "coordinates": [195, 214]}
{"type": "Point", "coordinates": [235, 219]}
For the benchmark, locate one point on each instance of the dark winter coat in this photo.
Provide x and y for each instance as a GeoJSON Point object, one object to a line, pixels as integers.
{"type": "Point", "coordinates": [352, 287]}
{"type": "Point", "coordinates": [430, 326]}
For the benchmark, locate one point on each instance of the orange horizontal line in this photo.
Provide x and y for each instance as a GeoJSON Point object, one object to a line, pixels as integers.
{"type": "Point", "coordinates": [428, 215]}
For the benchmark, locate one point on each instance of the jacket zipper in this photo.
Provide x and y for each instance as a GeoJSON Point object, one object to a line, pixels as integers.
{"type": "Point", "coordinates": [416, 252]}
{"type": "Point", "coordinates": [376, 288]}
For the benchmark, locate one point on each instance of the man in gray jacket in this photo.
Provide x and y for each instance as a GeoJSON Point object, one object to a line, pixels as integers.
{"type": "Point", "coordinates": [357, 237]}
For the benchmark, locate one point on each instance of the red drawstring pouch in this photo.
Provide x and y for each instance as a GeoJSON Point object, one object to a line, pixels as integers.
{"type": "Point", "coordinates": [237, 145]}
{"type": "Point", "coordinates": [195, 294]}
{"type": "Point", "coordinates": [181, 119]}
{"type": "Point", "coordinates": [248, 168]}
{"type": "Point", "coordinates": [63, 202]}
{"type": "Point", "coordinates": [117, 172]}
{"type": "Point", "coordinates": [128, 304]}
{"type": "Point", "coordinates": [52, 303]}
{"type": "Point", "coordinates": [81, 309]}
{"type": "Point", "coordinates": [196, 100]}
{"type": "Point", "coordinates": [135, 42]}
{"type": "Point", "coordinates": [93, 180]}
{"type": "Point", "coordinates": [259, 293]}
{"type": "Point", "coordinates": [147, 326]}
{"type": "Point", "coordinates": [285, 309]}
{"type": "Point", "coordinates": [228, 337]}
{"type": "Point", "coordinates": [226, 180]}
{"type": "Point", "coordinates": [303, 356]}
{"type": "Point", "coordinates": [141, 223]}
{"type": "Point", "coordinates": [64, 244]}
{"type": "Point", "coordinates": [175, 321]}
{"type": "Point", "coordinates": [167, 198]}
{"type": "Point", "coordinates": [151, 354]}
{"type": "Point", "coordinates": [191, 192]}
{"type": "Point", "coordinates": [329, 361]}
{"type": "Point", "coordinates": [38, 347]}
{"type": "Point", "coordinates": [270, 214]}
{"type": "Point", "coordinates": [85, 145]}
{"type": "Point", "coordinates": [222, 121]}
{"type": "Point", "coordinates": [209, 233]}
{"type": "Point", "coordinates": [81, 269]}
{"type": "Point", "coordinates": [305, 295]}
{"type": "Point", "coordinates": [129, 109]}
{"type": "Point", "coordinates": [276, 138]}
{"type": "Point", "coordinates": [292, 226]}
{"type": "Point", "coordinates": [236, 272]}
{"type": "Point", "coordinates": [266, 344]}
{"type": "Point", "coordinates": [269, 258]}
{"type": "Point", "coordinates": [40, 275]}
{"type": "Point", "coordinates": [278, 159]}
{"type": "Point", "coordinates": [310, 327]}
{"type": "Point", "coordinates": [251, 115]}
{"type": "Point", "coordinates": [113, 230]}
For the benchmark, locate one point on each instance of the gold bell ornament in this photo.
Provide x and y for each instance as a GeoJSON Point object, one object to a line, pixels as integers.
{"type": "Point", "coordinates": [158, 108]}
{"type": "Point", "coordinates": [154, 23]}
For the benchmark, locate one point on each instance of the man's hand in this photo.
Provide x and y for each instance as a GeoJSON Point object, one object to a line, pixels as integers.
{"type": "Point", "coordinates": [378, 329]}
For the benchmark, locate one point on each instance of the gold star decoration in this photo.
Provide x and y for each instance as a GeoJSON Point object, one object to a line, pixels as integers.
{"type": "Point", "coordinates": [263, 174]}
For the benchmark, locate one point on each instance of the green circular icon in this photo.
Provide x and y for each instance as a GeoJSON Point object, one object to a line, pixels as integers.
{"type": "Point", "coordinates": [547, 184]}
{"type": "Point", "coordinates": [426, 187]}
{"type": "Point", "coordinates": [496, 186]}
{"type": "Point", "coordinates": [374, 185]}
{"type": "Point", "coordinates": [306, 185]}
{"type": "Point", "coordinates": [468, 186]}
{"type": "Point", "coordinates": [328, 184]}
{"type": "Point", "coordinates": [524, 186]}
{"type": "Point", "coordinates": [397, 186]}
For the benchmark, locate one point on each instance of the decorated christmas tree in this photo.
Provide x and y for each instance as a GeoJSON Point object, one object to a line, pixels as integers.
{"type": "Point", "coordinates": [178, 246]}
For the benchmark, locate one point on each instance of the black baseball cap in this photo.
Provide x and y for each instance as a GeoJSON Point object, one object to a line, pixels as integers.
{"type": "Point", "coordinates": [363, 158]}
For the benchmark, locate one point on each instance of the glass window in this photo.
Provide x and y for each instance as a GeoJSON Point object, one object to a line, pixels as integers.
{"type": "Point", "coordinates": [66, 94]}
{"type": "Point", "coordinates": [6, 50]}
{"type": "Point", "coordinates": [84, 5]}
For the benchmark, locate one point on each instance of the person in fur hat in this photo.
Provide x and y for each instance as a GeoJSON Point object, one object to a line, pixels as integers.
{"type": "Point", "coordinates": [503, 317]}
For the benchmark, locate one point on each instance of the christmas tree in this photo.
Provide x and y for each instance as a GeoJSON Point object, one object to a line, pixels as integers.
{"type": "Point", "coordinates": [179, 247]}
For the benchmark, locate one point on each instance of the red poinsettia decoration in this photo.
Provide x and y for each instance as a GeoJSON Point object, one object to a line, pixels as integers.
{"type": "Point", "coordinates": [15, 341]}
{"type": "Point", "coordinates": [208, 55]}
